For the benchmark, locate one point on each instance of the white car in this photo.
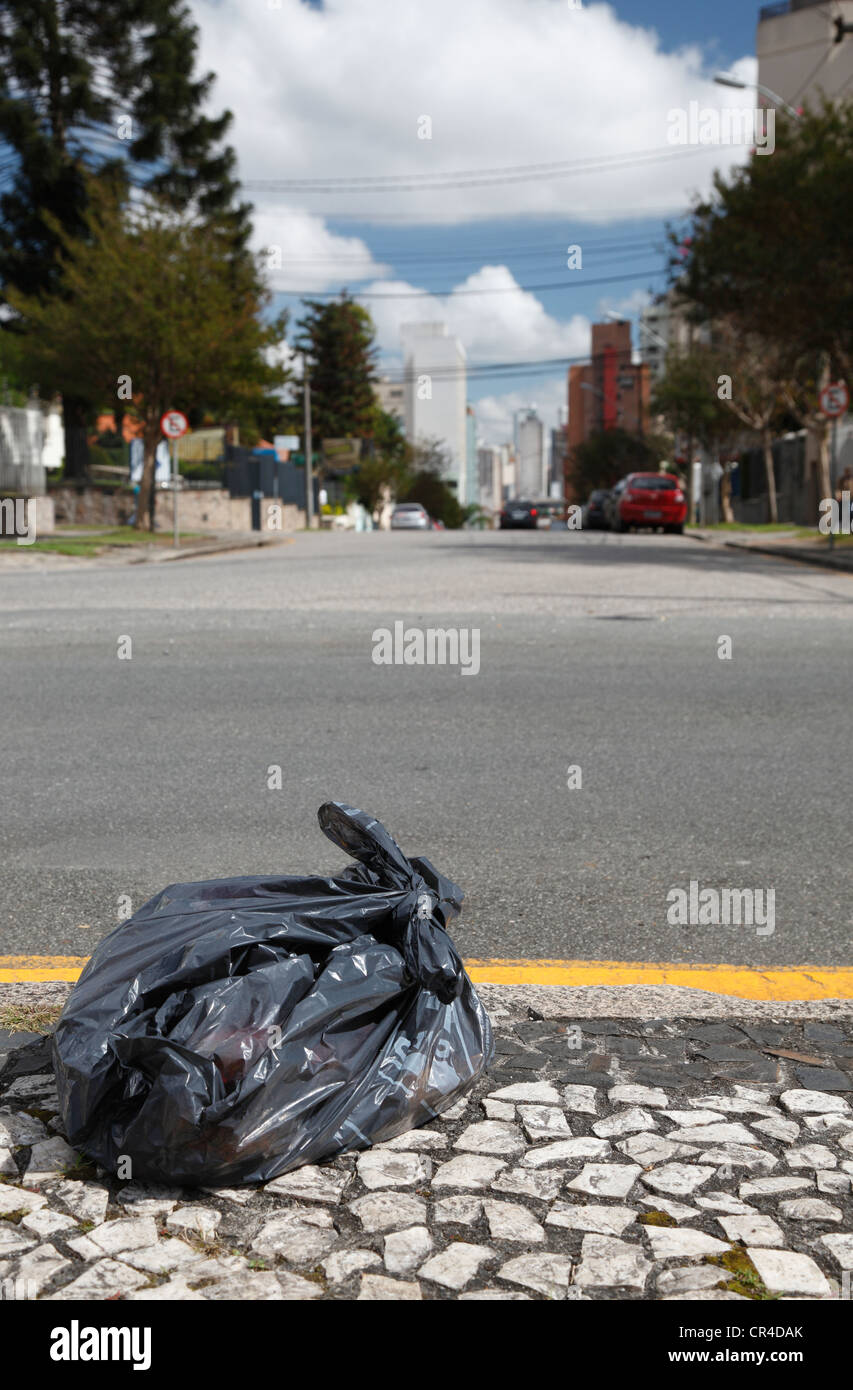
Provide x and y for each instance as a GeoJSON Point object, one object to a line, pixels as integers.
{"type": "Point", "coordinates": [410, 516]}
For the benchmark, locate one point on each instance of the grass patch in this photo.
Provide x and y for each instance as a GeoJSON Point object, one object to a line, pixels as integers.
{"type": "Point", "coordinates": [13, 1216]}
{"type": "Point", "coordinates": [745, 1278]}
{"type": "Point", "coordinates": [657, 1218]}
{"type": "Point", "coordinates": [72, 542]}
{"type": "Point", "coordinates": [29, 1018]}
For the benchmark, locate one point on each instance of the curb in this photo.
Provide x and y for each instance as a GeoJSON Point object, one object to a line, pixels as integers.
{"type": "Point", "coordinates": [805, 557]}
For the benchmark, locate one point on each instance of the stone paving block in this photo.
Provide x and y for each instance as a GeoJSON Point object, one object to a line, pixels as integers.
{"type": "Point", "coordinates": [463, 1211]}
{"type": "Point", "coordinates": [809, 1209]}
{"type": "Point", "coordinates": [405, 1250]}
{"type": "Point", "coordinates": [677, 1179]}
{"type": "Point", "coordinates": [667, 1243]}
{"type": "Point", "coordinates": [591, 1217]}
{"type": "Point", "coordinates": [811, 1156]}
{"type": "Point", "coordinates": [784, 1271]}
{"type": "Point", "coordinates": [769, 1187]}
{"type": "Point", "coordinates": [725, 1133]}
{"type": "Point", "coordinates": [376, 1288]}
{"type": "Point", "coordinates": [46, 1223]}
{"type": "Point", "coordinates": [163, 1257]}
{"type": "Point", "coordinates": [49, 1159]}
{"type": "Point", "coordinates": [14, 1242]}
{"type": "Point", "coordinates": [753, 1229]}
{"type": "Point", "coordinates": [498, 1110]}
{"type": "Point", "coordinates": [566, 1150]}
{"type": "Point", "coordinates": [580, 1099]}
{"type": "Point", "coordinates": [341, 1266]}
{"type": "Point", "coordinates": [837, 1183]}
{"type": "Point", "coordinates": [85, 1200]}
{"type": "Point", "coordinates": [542, 1183]}
{"type": "Point", "coordinates": [809, 1102]}
{"type": "Point", "coordinates": [532, 1092]}
{"type": "Point", "coordinates": [491, 1137]}
{"type": "Point", "coordinates": [147, 1199]}
{"type": "Point", "coordinates": [607, 1262]}
{"type": "Point", "coordinates": [494, 1296]}
{"type": "Point", "coordinates": [741, 1156]}
{"type": "Point", "coordinates": [377, 1169]}
{"type": "Point", "coordinates": [545, 1273]}
{"type": "Point", "coordinates": [677, 1210]}
{"type": "Point", "coordinates": [389, 1211]}
{"type": "Point", "coordinates": [606, 1179]}
{"type": "Point", "coordinates": [312, 1184]}
{"type": "Point", "coordinates": [412, 1141]}
{"type": "Point", "coordinates": [543, 1122]}
{"type": "Point", "coordinates": [689, 1279]}
{"type": "Point", "coordinates": [127, 1233]}
{"type": "Point", "coordinates": [647, 1149]}
{"type": "Point", "coordinates": [469, 1171]}
{"type": "Point", "coordinates": [840, 1247]}
{"type": "Point", "coordinates": [631, 1121]}
{"type": "Point", "coordinates": [456, 1266]}
{"type": "Point", "coordinates": [299, 1237]}
{"type": "Point", "coordinates": [724, 1201]}
{"type": "Point", "coordinates": [197, 1219]}
{"type": "Point", "coordinates": [513, 1222]}
{"type": "Point", "coordinates": [786, 1131]}
{"type": "Point", "coordinates": [17, 1128]}
{"type": "Point", "coordinates": [824, 1078]}
{"type": "Point", "coordinates": [692, 1117]}
{"type": "Point", "coordinates": [652, 1097]}
{"type": "Point", "coordinates": [102, 1280]}
{"type": "Point", "coordinates": [38, 1267]}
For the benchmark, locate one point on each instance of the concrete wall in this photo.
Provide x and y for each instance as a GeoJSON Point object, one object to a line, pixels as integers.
{"type": "Point", "coordinates": [199, 509]}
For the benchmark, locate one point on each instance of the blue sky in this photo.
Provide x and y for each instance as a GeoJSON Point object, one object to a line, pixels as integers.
{"type": "Point", "coordinates": [335, 92]}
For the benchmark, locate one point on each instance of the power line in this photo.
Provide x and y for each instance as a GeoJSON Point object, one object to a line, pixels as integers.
{"type": "Point", "coordinates": [434, 258]}
{"type": "Point", "coordinates": [396, 183]}
{"type": "Point", "coordinates": [503, 289]}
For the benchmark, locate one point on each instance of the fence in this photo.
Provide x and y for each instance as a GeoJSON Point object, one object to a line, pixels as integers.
{"type": "Point", "coordinates": [248, 474]}
{"type": "Point", "coordinates": [22, 440]}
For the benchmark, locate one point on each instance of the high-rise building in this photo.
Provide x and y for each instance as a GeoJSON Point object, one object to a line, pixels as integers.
{"type": "Point", "coordinates": [391, 396]}
{"type": "Point", "coordinates": [611, 391]}
{"type": "Point", "coordinates": [436, 397]}
{"type": "Point", "coordinates": [805, 50]}
{"type": "Point", "coordinates": [530, 452]}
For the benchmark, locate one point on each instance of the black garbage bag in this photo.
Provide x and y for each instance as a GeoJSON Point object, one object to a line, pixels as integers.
{"type": "Point", "coordinates": [234, 1029]}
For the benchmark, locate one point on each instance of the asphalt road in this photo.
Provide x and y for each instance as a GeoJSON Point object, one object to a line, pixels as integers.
{"type": "Point", "coordinates": [120, 776]}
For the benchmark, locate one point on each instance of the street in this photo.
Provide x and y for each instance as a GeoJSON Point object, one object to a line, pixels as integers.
{"type": "Point", "coordinates": [596, 651]}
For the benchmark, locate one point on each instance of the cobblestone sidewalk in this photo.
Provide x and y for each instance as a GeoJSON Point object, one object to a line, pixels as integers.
{"type": "Point", "coordinates": [602, 1159]}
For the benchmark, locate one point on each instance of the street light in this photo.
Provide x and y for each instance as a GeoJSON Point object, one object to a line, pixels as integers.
{"type": "Point", "coordinates": [728, 79]}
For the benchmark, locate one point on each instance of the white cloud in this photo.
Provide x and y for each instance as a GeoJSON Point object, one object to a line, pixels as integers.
{"type": "Point", "coordinates": [339, 91]}
{"type": "Point", "coordinates": [302, 254]}
{"type": "Point", "coordinates": [505, 327]}
{"type": "Point", "coordinates": [495, 413]}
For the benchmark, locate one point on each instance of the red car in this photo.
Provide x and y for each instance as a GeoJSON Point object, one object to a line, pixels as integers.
{"type": "Point", "coordinates": [649, 499]}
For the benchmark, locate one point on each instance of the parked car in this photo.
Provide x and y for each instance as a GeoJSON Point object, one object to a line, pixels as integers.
{"type": "Point", "coordinates": [594, 516]}
{"type": "Point", "coordinates": [611, 504]}
{"type": "Point", "coordinates": [410, 516]}
{"type": "Point", "coordinates": [519, 516]}
{"type": "Point", "coordinates": [648, 499]}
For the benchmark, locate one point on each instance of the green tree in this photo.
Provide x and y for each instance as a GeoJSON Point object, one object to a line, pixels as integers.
{"type": "Point", "coordinates": [431, 464]}
{"type": "Point", "coordinates": [148, 309]}
{"type": "Point", "coordinates": [110, 90]}
{"type": "Point", "coordinates": [386, 467]}
{"type": "Point", "coordinates": [337, 340]}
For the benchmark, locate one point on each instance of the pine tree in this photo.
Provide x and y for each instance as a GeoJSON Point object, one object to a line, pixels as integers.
{"type": "Point", "coordinates": [105, 89]}
{"type": "Point", "coordinates": [337, 339]}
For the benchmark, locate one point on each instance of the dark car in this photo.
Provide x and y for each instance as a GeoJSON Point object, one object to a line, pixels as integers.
{"type": "Point", "coordinates": [648, 499]}
{"type": "Point", "coordinates": [594, 515]}
{"type": "Point", "coordinates": [611, 504]}
{"type": "Point", "coordinates": [519, 516]}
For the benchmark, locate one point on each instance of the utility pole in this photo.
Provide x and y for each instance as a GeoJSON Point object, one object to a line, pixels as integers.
{"type": "Point", "coordinates": [309, 446]}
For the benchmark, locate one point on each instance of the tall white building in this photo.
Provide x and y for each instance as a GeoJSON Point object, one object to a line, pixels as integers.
{"type": "Point", "coordinates": [531, 478]}
{"type": "Point", "coordinates": [436, 396]}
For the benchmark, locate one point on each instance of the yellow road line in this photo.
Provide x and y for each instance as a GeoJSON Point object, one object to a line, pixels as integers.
{"type": "Point", "coordinates": [742, 981]}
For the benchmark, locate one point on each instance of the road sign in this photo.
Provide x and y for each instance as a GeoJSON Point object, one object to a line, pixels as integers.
{"type": "Point", "coordinates": [834, 399]}
{"type": "Point", "coordinates": [174, 423]}
{"type": "Point", "coordinates": [282, 442]}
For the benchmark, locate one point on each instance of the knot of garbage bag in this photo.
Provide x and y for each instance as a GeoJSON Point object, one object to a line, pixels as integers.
{"type": "Point", "coordinates": [426, 948]}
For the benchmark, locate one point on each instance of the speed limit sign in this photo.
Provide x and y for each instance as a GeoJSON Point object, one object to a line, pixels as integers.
{"type": "Point", "coordinates": [834, 399]}
{"type": "Point", "coordinates": [174, 423]}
